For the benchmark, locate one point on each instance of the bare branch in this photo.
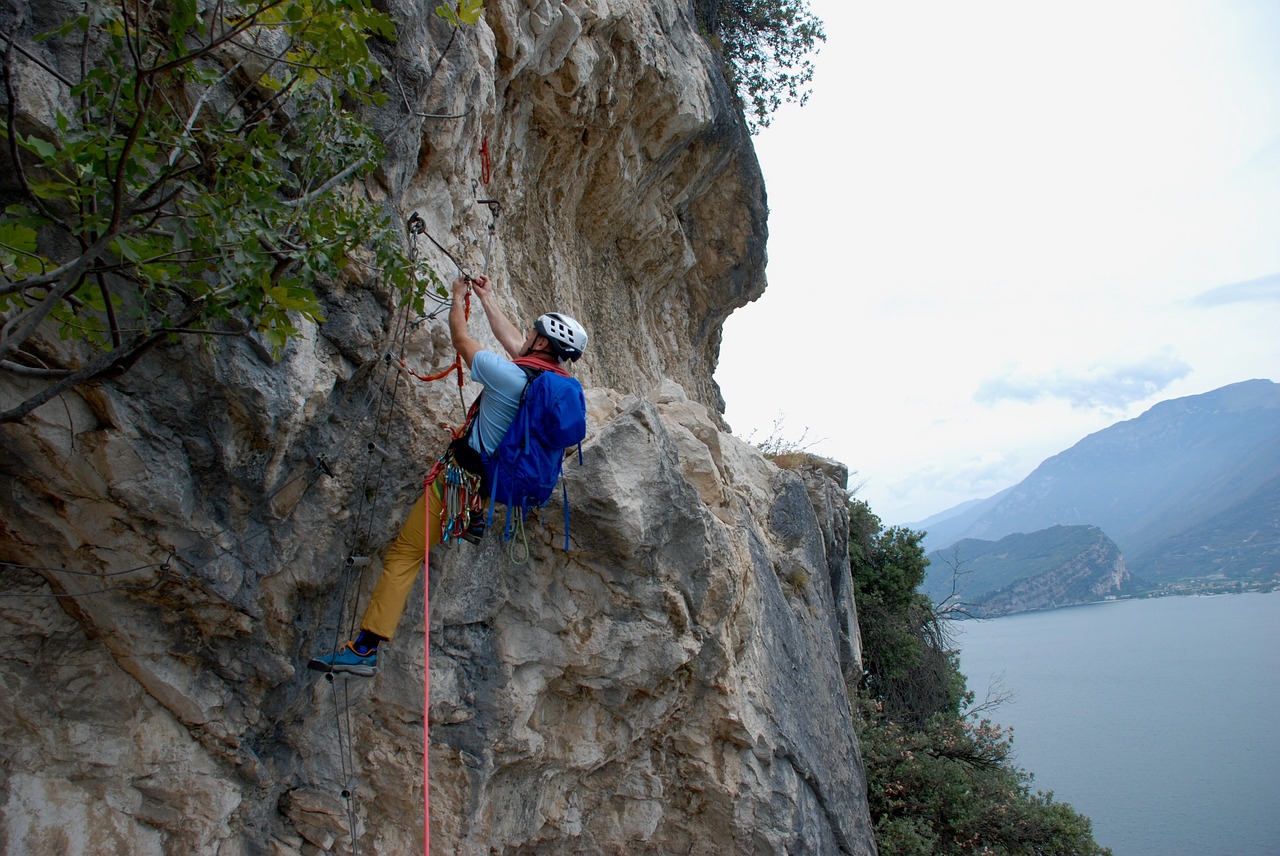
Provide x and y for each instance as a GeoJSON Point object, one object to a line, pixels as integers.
{"type": "Point", "coordinates": [996, 695]}
{"type": "Point", "coordinates": [32, 371]}
{"type": "Point", "coordinates": [109, 308]}
{"type": "Point", "coordinates": [248, 20]}
{"type": "Point", "coordinates": [333, 182]}
{"type": "Point", "coordinates": [203, 99]}
{"type": "Point", "coordinates": [116, 361]}
{"type": "Point", "coordinates": [11, 126]}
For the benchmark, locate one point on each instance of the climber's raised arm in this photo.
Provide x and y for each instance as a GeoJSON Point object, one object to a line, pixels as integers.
{"type": "Point", "coordinates": [508, 334]}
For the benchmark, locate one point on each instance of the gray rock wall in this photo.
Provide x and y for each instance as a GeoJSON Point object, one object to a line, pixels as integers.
{"type": "Point", "coordinates": [675, 683]}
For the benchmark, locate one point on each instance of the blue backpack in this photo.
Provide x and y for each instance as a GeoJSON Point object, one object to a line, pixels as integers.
{"type": "Point", "coordinates": [522, 472]}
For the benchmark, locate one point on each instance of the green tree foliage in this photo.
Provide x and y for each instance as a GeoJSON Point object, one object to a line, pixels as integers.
{"type": "Point", "coordinates": [939, 780]}
{"type": "Point", "coordinates": [461, 12]}
{"type": "Point", "coordinates": [948, 787]}
{"type": "Point", "coordinates": [767, 47]}
{"type": "Point", "coordinates": [199, 183]}
{"type": "Point", "coordinates": [909, 666]}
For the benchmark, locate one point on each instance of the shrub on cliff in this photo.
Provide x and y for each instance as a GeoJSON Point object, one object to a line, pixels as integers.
{"type": "Point", "coordinates": [949, 788]}
{"type": "Point", "coordinates": [907, 660]}
{"type": "Point", "coordinates": [766, 46]}
{"type": "Point", "coordinates": [939, 779]}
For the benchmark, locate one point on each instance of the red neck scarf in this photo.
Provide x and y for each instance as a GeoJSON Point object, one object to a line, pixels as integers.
{"type": "Point", "coordinates": [542, 360]}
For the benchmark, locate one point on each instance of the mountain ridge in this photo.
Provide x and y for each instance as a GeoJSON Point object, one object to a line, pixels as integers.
{"type": "Point", "coordinates": [1050, 568]}
{"type": "Point", "coordinates": [1144, 481]}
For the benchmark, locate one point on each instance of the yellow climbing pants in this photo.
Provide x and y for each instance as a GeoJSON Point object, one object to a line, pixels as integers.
{"type": "Point", "coordinates": [402, 562]}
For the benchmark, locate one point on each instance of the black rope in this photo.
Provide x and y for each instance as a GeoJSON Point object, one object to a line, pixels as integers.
{"type": "Point", "coordinates": [352, 579]}
{"type": "Point", "coordinates": [74, 572]}
{"type": "Point", "coordinates": [346, 754]}
{"type": "Point", "coordinates": [41, 570]}
{"type": "Point", "coordinates": [362, 532]}
{"type": "Point", "coordinates": [418, 226]}
{"type": "Point", "coordinates": [54, 595]}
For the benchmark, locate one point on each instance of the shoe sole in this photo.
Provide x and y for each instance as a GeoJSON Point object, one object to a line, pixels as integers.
{"type": "Point", "coordinates": [360, 671]}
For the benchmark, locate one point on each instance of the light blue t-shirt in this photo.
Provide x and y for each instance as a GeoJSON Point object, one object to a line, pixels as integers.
{"type": "Point", "coordinates": [504, 381]}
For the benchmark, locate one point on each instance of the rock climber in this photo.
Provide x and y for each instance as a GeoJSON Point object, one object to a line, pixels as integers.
{"type": "Point", "coordinates": [554, 339]}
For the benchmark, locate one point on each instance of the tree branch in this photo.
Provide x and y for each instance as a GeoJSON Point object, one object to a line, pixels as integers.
{"type": "Point", "coordinates": [342, 176]}
{"type": "Point", "coordinates": [22, 325]}
{"type": "Point", "coordinates": [11, 126]}
{"type": "Point", "coordinates": [109, 362]}
{"type": "Point", "coordinates": [244, 24]}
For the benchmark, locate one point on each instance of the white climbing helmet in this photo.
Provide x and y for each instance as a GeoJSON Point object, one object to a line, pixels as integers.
{"type": "Point", "coordinates": [566, 336]}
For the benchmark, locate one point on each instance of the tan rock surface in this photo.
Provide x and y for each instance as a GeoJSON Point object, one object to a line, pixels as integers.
{"type": "Point", "coordinates": [675, 683]}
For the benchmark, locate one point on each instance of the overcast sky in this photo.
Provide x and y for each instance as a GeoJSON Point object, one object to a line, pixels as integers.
{"type": "Point", "coordinates": [998, 227]}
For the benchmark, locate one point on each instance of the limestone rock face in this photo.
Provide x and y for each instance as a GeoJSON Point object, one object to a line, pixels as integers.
{"type": "Point", "coordinates": [630, 194]}
{"type": "Point", "coordinates": [180, 540]}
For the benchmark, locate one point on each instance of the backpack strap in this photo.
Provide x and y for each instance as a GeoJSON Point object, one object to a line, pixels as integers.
{"type": "Point", "coordinates": [530, 372]}
{"type": "Point", "coordinates": [565, 493]}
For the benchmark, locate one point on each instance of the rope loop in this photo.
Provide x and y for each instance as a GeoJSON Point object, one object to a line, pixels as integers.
{"type": "Point", "coordinates": [519, 549]}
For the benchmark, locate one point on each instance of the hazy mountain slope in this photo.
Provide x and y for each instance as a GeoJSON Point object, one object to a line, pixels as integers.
{"type": "Point", "coordinates": [945, 527]}
{"type": "Point", "coordinates": [1146, 479]}
{"type": "Point", "coordinates": [1243, 541]}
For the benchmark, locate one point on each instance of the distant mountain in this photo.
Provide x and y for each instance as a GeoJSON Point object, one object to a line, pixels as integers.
{"type": "Point", "coordinates": [958, 518]}
{"type": "Point", "coordinates": [1058, 566]}
{"type": "Point", "coordinates": [1242, 542]}
{"type": "Point", "coordinates": [1199, 468]}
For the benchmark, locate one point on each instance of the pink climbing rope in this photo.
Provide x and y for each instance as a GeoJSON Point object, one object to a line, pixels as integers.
{"type": "Point", "coordinates": [426, 659]}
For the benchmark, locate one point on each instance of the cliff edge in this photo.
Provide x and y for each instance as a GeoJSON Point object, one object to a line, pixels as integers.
{"type": "Point", "coordinates": [179, 540]}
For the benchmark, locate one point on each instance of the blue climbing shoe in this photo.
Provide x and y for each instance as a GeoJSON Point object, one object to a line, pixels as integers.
{"type": "Point", "coordinates": [346, 659]}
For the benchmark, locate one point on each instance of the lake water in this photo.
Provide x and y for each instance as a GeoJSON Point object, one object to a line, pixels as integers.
{"type": "Point", "coordinates": [1159, 719]}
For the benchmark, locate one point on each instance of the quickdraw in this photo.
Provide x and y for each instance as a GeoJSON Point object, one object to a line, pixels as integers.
{"type": "Point", "coordinates": [462, 500]}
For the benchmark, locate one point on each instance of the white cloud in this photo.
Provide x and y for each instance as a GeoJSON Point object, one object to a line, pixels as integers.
{"type": "Point", "coordinates": [1266, 288]}
{"type": "Point", "coordinates": [1109, 387]}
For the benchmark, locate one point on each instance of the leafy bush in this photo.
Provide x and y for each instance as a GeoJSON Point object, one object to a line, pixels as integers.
{"type": "Point", "coordinates": [766, 46]}
{"type": "Point", "coordinates": [949, 788]}
{"type": "Point", "coordinates": [908, 664]}
{"type": "Point", "coordinates": [939, 779]}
